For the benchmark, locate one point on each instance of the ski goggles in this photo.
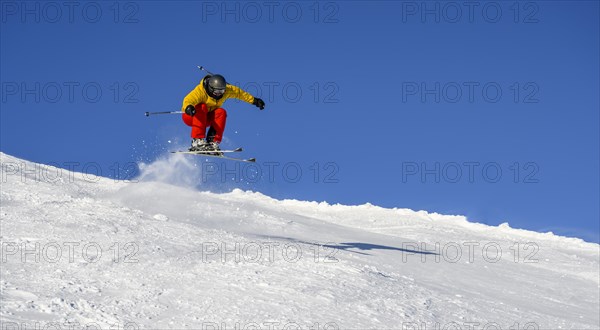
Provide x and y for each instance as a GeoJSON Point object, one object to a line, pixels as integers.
{"type": "Point", "coordinates": [217, 92]}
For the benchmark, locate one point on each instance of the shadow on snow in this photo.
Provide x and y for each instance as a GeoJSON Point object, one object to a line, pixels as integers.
{"type": "Point", "coordinates": [351, 246]}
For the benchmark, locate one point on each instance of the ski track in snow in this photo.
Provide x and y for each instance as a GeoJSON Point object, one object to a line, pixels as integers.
{"type": "Point", "coordinates": [157, 255]}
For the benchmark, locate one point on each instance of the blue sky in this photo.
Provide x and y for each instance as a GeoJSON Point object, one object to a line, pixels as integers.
{"type": "Point", "coordinates": [489, 110]}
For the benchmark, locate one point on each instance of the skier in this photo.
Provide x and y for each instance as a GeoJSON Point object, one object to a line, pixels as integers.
{"type": "Point", "coordinates": [202, 109]}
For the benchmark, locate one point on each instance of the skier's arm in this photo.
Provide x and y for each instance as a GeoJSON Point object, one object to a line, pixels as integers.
{"type": "Point", "coordinates": [193, 98]}
{"type": "Point", "coordinates": [239, 94]}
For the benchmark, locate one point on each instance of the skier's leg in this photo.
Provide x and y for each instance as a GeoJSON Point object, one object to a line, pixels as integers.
{"type": "Point", "coordinates": [198, 122]}
{"type": "Point", "coordinates": [210, 136]}
{"type": "Point", "coordinates": [217, 119]}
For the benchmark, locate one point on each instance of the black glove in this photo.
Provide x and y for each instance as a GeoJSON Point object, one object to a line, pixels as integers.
{"type": "Point", "coordinates": [259, 103]}
{"type": "Point", "coordinates": [190, 110]}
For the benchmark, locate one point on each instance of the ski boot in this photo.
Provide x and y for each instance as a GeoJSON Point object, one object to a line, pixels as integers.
{"type": "Point", "coordinates": [214, 146]}
{"type": "Point", "coordinates": [200, 145]}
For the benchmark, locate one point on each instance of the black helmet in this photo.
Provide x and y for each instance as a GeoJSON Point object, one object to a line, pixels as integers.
{"type": "Point", "coordinates": [215, 85]}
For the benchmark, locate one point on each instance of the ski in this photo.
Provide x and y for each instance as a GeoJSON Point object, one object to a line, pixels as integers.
{"type": "Point", "coordinates": [205, 154]}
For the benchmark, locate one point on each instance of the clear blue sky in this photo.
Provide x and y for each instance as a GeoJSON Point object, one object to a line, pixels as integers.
{"type": "Point", "coordinates": [400, 104]}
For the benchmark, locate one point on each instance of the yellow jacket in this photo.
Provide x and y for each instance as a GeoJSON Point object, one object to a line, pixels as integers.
{"type": "Point", "coordinates": [199, 95]}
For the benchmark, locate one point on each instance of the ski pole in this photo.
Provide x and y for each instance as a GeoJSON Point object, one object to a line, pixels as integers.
{"type": "Point", "coordinates": [161, 113]}
{"type": "Point", "coordinates": [204, 69]}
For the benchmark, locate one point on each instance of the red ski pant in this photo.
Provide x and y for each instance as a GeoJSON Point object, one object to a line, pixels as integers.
{"type": "Point", "coordinates": [202, 119]}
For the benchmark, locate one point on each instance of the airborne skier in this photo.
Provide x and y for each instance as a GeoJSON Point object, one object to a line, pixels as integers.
{"type": "Point", "coordinates": [202, 108]}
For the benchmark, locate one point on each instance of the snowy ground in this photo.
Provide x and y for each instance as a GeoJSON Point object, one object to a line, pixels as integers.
{"type": "Point", "coordinates": [81, 251]}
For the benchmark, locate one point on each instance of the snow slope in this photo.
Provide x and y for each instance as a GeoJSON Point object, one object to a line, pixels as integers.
{"type": "Point", "coordinates": [79, 250]}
